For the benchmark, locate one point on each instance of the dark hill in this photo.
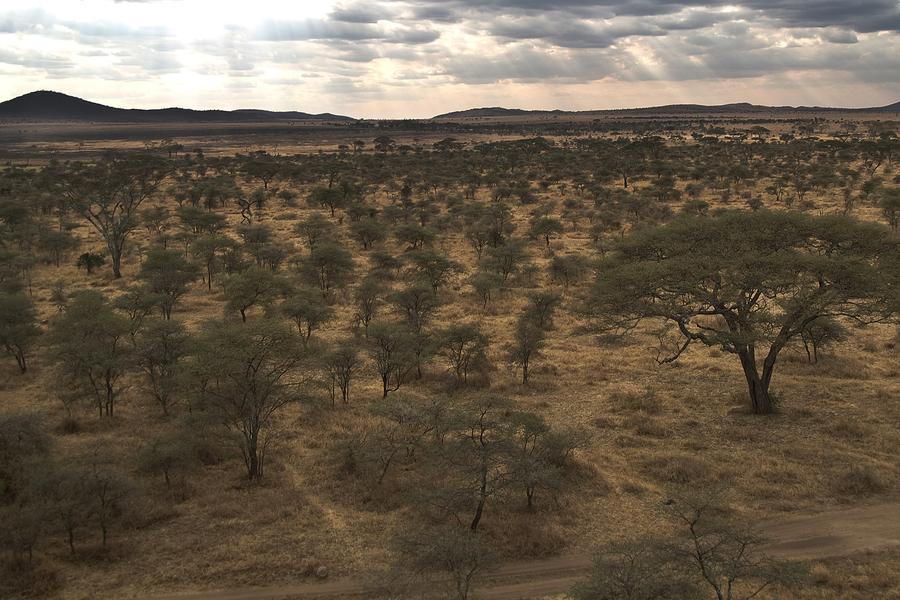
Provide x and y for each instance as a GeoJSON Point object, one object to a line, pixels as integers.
{"type": "Point", "coordinates": [45, 105]}
{"type": "Point", "coordinates": [694, 109]}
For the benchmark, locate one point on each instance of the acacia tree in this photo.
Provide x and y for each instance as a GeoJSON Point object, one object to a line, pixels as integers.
{"type": "Point", "coordinates": [463, 345]}
{"type": "Point", "coordinates": [160, 347]}
{"type": "Point", "coordinates": [462, 555]}
{"type": "Point", "coordinates": [328, 265]}
{"type": "Point", "coordinates": [109, 194]}
{"type": "Point", "coordinates": [210, 249]}
{"type": "Point", "coordinates": [254, 287]}
{"type": "Point", "coordinates": [90, 349]}
{"type": "Point", "coordinates": [341, 365]}
{"type": "Point", "coordinates": [480, 450]}
{"type": "Point", "coordinates": [167, 275]}
{"type": "Point", "coordinates": [248, 371]}
{"type": "Point", "coordinates": [366, 299]}
{"type": "Point", "coordinates": [307, 309]}
{"type": "Point", "coordinates": [748, 282]}
{"type": "Point", "coordinates": [528, 341]}
{"type": "Point", "coordinates": [18, 328]}
{"type": "Point", "coordinates": [390, 345]}
{"type": "Point", "coordinates": [433, 267]}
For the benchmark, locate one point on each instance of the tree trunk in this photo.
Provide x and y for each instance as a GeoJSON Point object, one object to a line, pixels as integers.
{"type": "Point", "coordinates": [760, 401]}
{"type": "Point", "coordinates": [20, 360]}
{"type": "Point", "coordinates": [482, 497]}
{"type": "Point", "coordinates": [478, 511]}
{"type": "Point", "coordinates": [252, 464]}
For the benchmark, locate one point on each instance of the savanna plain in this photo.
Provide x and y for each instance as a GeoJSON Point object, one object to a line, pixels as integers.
{"type": "Point", "coordinates": [406, 355]}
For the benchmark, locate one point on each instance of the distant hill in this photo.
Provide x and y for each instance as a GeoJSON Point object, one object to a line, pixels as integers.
{"type": "Point", "coordinates": [45, 105]}
{"type": "Point", "coordinates": [744, 107]}
{"type": "Point", "coordinates": [495, 111]}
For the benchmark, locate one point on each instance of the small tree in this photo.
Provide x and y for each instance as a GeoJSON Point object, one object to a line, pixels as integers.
{"type": "Point", "coordinates": [726, 558]}
{"type": "Point", "coordinates": [505, 260]}
{"type": "Point", "coordinates": [210, 250]}
{"type": "Point", "coordinates": [369, 232]}
{"type": "Point", "coordinates": [390, 345]}
{"type": "Point", "coordinates": [485, 283]}
{"type": "Point", "coordinates": [433, 267]}
{"type": "Point", "coordinates": [90, 350]}
{"type": "Point", "coordinates": [327, 197]}
{"type": "Point", "coordinates": [246, 373]}
{"type": "Point", "coordinates": [328, 265]}
{"type": "Point", "coordinates": [254, 287]}
{"type": "Point", "coordinates": [542, 307]}
{"type": "Point", "coordinates": [170, 455]}
{"type": "Point", "coordinates": [819, 334]}
{"type": "Point", "coordinates": [462, 555]}
{"type": "Point", "coordinates": [642, 570]}
{"type": "Point", "coordinates": [90, 261]}
{"type": "Point", "coordinates": [18, 326]}
{"type": "Point", "coordinates": [65, 488]}
{"type": "Point", "coordinates": [479, 451]}
{"type": "Point", "coordinates": [417, 303]}
{"type": "Point", "coordinates": [107, 492]}
{"type": "Point", "coordinates": [341, 365]}
{"type": "Point", "coordinates": [57, 243]}
{"type": "Point", "coordinates": [366, 299]}
{"type": "Point", "coordinates": [160, 348]}
{"type": "Point", "coordinates": [546, 228]}
{"type": "Point", "coordinates": [167, 275]}
{"type": "Point", "coordinates": [890, 207]}
{"type": "Point", "coordinates": [314, 229]}
{"type": "Point", "coordinates": [307, 309]}
{"type": "Point", "coordinates": [528, 341]}
{"type": "Point", "coordinates": [569, 268]}
{"type": "Point", "coordinates": [463, 346]}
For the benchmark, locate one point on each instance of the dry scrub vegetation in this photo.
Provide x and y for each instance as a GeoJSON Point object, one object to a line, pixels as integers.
{"type": "Point", "coordinates": [438, 432]}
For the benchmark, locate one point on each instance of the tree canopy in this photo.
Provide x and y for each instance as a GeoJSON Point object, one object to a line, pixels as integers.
{"type": "Point", "coordinates": [748, 282]}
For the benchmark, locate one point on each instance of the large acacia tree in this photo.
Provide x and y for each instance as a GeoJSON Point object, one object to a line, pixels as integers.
{"type": "Point", "coordinates": [109, 193]}
{"type": "Point", "coordinates": [749, 283]}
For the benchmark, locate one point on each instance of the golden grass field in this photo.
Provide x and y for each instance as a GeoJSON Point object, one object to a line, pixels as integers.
{"type": "Point", "coordinates": [835, 441]}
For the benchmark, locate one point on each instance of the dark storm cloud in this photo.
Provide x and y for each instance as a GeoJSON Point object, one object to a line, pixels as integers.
{"type": "Point", "coordinates": [568, 33]}
{"type": "Point", "coordinates": [359, 13]}
{"type": "Point", "coordinates": [343, 31]}
{"type": "Point", "coordinates": [862, 16]}
{"type": "Point", "coordinates": [529, 65]}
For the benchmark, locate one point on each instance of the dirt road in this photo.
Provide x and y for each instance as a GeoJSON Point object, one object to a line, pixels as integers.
{"type": "Point", "coordinates": [824, 535]}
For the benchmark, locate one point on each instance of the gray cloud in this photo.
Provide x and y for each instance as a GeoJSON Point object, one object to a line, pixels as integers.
{"type": "Point", "coordinates": [361, 46]}
{"type": "Point", "coordinates": [863, 16]}
{"type": "Point", "coordinates": [359, 13]}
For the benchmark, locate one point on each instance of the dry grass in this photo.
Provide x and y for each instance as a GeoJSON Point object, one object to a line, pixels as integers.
{"type": "Point", "coordinates": [835, 440]}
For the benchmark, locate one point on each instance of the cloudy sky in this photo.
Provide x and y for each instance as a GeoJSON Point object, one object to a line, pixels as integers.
{"type": "Point", "coordinates": [416, 58]}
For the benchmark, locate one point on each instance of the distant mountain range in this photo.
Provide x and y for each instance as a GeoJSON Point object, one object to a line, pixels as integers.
{"type": "Point", "coordinates": [54, 106]}
{"type": "Point", "coordinates": [740, 107]}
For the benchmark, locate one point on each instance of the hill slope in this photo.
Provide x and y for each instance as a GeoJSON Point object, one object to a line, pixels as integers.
{"type": "Point", "coordinates": [46, 105]}
{"type": "Point", "coordinates": [744, 107]}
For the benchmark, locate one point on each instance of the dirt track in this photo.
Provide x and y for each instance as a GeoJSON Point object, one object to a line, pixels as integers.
{"type": "Point", "coordinates": [825, 535]}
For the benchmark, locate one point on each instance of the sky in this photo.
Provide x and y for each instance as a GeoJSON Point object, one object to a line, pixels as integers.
{"type": "Point", "coordinates": [418, 58]}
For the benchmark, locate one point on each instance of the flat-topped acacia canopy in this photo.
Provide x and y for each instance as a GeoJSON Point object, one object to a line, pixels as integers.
{"type": "Point", "coordinates": [747, 281]}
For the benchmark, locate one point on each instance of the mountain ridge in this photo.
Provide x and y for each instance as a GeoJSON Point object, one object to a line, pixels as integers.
{"type": "Point", "coordinates": [50, 105]}
{"type": "Point", "coordinates": [56, 106]}
{"type": "Point", "coordinates": [499, 111]}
